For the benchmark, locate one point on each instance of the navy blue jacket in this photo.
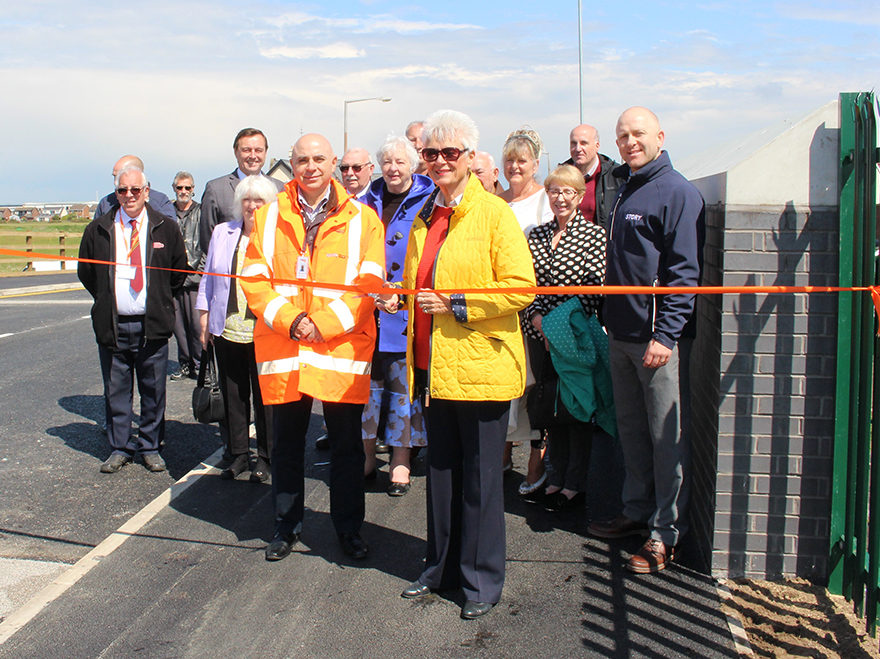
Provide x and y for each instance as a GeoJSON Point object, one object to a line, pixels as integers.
{"type": "Point", "coordinates": [392, 327]}
{"type": "Point", "coordinates": [655, 239]}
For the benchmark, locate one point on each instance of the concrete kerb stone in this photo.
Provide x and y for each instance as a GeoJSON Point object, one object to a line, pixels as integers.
{"type": "Point", "coordinates": [46, 288]}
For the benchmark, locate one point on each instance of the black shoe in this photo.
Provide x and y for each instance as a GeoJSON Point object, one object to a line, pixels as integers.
{"type": "Point", "coordinates": [322, 443]}
{"type": "Point", "coordinates": [154, 462]}
{"type": "Point", "coordinates": [281, 545]}
{"type": "Point", "coordinates": [398, 489]}
{"type": "Point", "coordinates": [382, 447]}
{"type": "Point", "coordinates": [353, 545]}
{"type": "Point", "coordinates": [558, 501]}
{"type": "Point", "coordinates": [415, 589]}
{"type": "Point", "coordinates": [260, 472]}
{"type": "Point", "coordinates": [237, 466]}
{"type": "Point", "coordinates": [181, 373]}
{"type": "Point", "coordinates": [114, 463]}
{"type": "Point", "coordinates": [472, 609]}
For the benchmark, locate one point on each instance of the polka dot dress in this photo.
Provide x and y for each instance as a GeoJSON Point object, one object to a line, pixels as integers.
{"type": "Point", "coordinates": [578, 260]}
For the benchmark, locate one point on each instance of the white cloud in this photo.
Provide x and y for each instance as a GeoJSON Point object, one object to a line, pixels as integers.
{"type": "Point", "coordinates": [330, 51]}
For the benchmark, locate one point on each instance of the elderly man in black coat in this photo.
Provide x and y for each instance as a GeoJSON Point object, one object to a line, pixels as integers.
{"type": "Point", "coordinates": [139, 263]}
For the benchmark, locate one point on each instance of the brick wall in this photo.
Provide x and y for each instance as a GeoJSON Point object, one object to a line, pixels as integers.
{"type": "Point", "coordinates": [774, 391]}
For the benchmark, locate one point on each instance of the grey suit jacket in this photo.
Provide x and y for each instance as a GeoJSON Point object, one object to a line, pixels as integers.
{"type": "Point", "coordinates": [217, 204]}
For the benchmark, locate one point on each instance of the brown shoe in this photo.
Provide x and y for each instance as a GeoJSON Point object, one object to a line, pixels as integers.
{"type": "Point", "coordinates": [619, 527]}
{"type": "Point", "coordinates": [652, 557]}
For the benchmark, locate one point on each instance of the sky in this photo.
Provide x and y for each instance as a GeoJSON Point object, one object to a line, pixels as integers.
{"type": "Point", "coordinates": [86, 82]}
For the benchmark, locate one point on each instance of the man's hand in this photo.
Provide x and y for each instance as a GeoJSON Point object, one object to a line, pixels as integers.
{"type": "Point", "coordinates": [656, 355]}
{"type": "Point", "coordinates": [307, 332]}
{"type": "Point", "coordinates": [389, 302]}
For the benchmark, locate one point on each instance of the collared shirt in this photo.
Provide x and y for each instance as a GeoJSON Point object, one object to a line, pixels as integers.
{"type": "Point", "coordinates": [440, 201]}
{"type": "Point", "coordinates": [313, 217]}
{"type": "Point", "coordinates": [241, 174]}
{"type": "Point", "coordinates": [129, 303]}
{"type": "Point", "coordinates": [593, 168]}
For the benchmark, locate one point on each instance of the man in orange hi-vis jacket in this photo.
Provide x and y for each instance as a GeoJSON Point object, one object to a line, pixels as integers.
{"type": "Point", "coordinates": [313, 342]}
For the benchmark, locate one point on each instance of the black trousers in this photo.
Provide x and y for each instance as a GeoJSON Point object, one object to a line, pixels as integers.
{"type": "Point", "coordinates": [466, 539]}
{"type": "Point", "coordinates": [186, 329]}
{"type": "Point", "coordinates": [237, 366]}
{"type": "Point", "coordinates": [290, 422]}
{"type": "Point", "coordinates": [568, 451]}
{"type": "Point", "coordinates": [134, 358]}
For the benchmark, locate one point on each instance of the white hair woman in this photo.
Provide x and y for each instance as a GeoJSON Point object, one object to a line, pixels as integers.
{"type": "Point", "coordinates": [396, 198]}
{"type": "Point", "coordinates": [227, 323]}
{"type": "Point", "coordinates": [465, 360]}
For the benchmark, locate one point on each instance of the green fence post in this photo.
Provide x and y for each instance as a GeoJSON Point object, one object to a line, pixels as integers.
{"type": "Point", "coordinates": [841, 550]}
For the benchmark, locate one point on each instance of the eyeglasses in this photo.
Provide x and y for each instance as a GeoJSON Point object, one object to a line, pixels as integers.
{"type": "Point", "coordinates": [566, 193]}
{"type": "Point", "coordinates": [357, 168]}
{"type": "Point", "coordinates": [449, 153]}
{"type": "Point", "coordinates": [124, 191]}
{"type": "Point", "coordinates": [183, 187]}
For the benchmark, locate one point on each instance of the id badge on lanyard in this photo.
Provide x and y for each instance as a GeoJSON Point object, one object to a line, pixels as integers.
{"type": "Point", "coordinates": [302, 266]}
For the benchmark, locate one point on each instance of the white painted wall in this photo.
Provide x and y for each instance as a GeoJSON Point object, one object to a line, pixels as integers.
{"type": "Point", "coordinates": [798, 166]}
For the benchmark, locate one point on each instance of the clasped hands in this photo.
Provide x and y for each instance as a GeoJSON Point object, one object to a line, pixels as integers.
{"type": "Point", "coordinates": [307, 332]}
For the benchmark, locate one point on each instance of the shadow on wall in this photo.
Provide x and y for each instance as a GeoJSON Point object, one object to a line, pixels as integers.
{"type": "Point", "coordinates": [792, 383]}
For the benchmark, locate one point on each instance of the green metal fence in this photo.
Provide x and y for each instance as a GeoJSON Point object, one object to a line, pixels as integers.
{"type": "Point", "coordinates": [854, 564]}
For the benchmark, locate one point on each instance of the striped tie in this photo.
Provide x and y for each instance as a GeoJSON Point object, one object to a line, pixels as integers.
{"type": "Point", "coordinates": [135, 259]}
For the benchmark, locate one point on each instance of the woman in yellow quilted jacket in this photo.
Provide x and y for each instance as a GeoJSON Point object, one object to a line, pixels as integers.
{"type": "Point", "coordinates": [465, 360]}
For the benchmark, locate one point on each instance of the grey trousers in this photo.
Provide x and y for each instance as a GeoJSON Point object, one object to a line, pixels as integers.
{"type": "Point", "coordinates": [656, 455]}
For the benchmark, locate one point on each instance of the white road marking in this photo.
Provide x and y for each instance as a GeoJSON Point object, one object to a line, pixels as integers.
{"type": "Point", "coordinates": [3, 336]}
{"type": "Point", "coordinates": [38, 602]}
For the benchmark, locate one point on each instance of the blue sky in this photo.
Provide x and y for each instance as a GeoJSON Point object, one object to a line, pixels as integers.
{"type": "Point", "coordinates": [174, 81]}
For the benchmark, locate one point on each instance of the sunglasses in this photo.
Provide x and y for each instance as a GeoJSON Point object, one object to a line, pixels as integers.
{"type": "Point", "coordinates": [356, 168]}
{"type": "Point", "coordinates": [183, 187]}
{"type": "Point", "coordinates": [124, 191]}
{"type": "Point", "coordinates": [449, 153]}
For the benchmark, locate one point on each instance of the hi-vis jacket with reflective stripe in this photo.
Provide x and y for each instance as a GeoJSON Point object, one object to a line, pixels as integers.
{"type": "Point", "coordinates": [349, 249]}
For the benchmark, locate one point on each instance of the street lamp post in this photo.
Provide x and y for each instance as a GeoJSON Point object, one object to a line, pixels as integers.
{"type": "Point", "coordinates": [580, 67]}
{"type": "Point", "coordinates": [345, 116]}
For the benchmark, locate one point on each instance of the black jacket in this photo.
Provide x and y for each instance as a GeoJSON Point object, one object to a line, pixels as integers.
{"type": "Point", "coordinates": [606, 189]}
{"type": "Point", "coordinates": [189, 225]}
{"type": "Point", "coordinates": [164, 250]}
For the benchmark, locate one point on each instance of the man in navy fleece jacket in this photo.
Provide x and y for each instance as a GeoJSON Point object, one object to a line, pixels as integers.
{"type": "Point", "coordinates": [654, 240]}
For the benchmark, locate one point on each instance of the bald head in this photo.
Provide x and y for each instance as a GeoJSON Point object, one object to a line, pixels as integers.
{"type": "Point", "coordinates": [583, 145]}
{"type": "Point", "coordinates": [639, 137]}
{"type": "Point", "coordinates": [313, 164]}
{"type": "Point", "coordinates": [127, 161]}
{"type": "Point", "coordinates": [484, 169]}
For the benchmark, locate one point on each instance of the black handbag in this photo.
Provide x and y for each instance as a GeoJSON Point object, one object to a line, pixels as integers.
{"type": "Point", "coordinates": [543, 405]}
{"type": "Point", "coordinates": [207, 399]}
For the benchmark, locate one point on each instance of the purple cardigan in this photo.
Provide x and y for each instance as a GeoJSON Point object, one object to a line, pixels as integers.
{"type": "Point", "coordinates": [214, 291]}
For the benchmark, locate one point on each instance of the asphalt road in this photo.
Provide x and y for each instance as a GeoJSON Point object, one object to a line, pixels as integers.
{"type": "Point", "coordinates": [192, 582]}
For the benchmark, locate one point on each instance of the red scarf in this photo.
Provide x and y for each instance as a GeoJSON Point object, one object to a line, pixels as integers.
{"type": "Point", "coordinates": [437, 230]}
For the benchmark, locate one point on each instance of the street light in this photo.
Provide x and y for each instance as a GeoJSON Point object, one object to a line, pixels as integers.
{"type": "Point", "coordinates": [345, 116]}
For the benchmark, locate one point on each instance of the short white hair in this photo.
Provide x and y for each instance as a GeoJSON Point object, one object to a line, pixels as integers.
{"type": "Point", "coordinates": [252, 187]}
{"type": "Point", "coordinates": [131, 168]}
{"type": "Point", "coordinates": [449, 126]}
{"type": "Point", "coordinates": [395, 143]}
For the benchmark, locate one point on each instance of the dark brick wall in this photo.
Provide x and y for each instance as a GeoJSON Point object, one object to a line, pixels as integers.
{"type": "Point", "coordinates": [768, 363]}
